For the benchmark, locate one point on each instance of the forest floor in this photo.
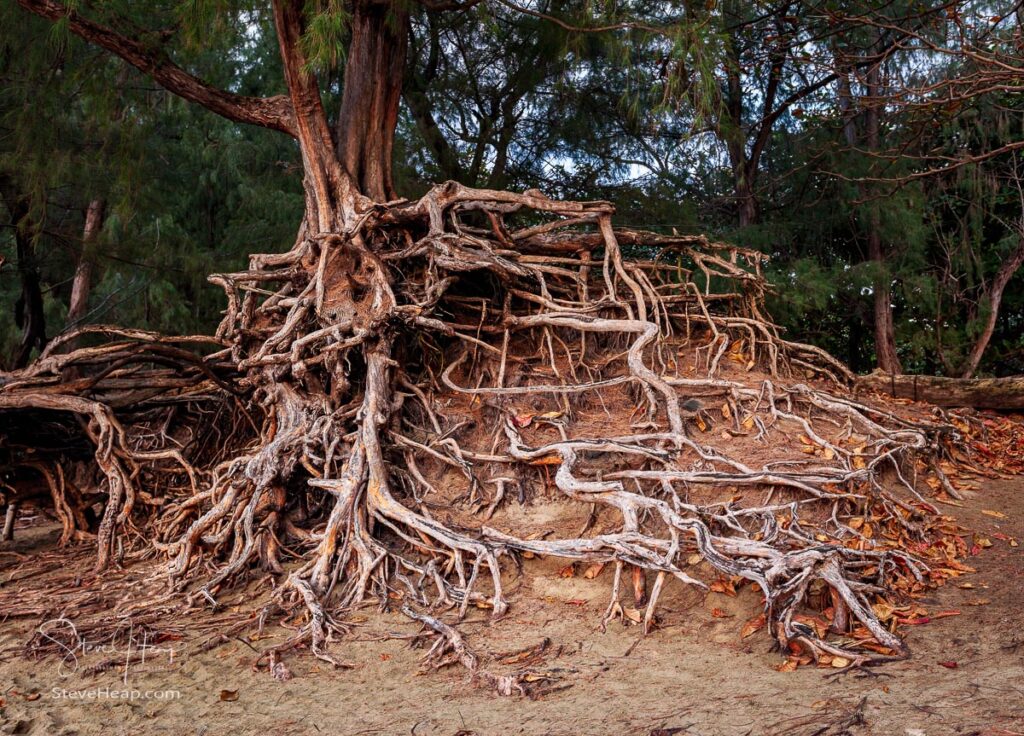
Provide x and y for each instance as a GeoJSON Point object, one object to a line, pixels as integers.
{"type": "Point", "coordinates": [695, 674]}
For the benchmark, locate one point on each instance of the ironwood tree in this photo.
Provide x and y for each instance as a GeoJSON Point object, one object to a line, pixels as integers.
{"type": "Point", "coordinates": [472, 339]}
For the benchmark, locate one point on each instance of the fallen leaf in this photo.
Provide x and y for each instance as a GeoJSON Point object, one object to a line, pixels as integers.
{"type": "Point", "coordinates": [593, 571]}
{"type": "Point", "coordinates": [840, 662]}
{"type": "Point", "coordinates": [576, 602]}
{"type": "Point", "coordinates": [33, 696]}
{"type": "Point", "coordinates": [633, 614]}
{"type": "Point", "coordinates": [724, 586]}
{"type": "Point", "coordinates": [920, 620]}
{"type": "Point", "coordinates": [719, 613]}
{"type": "Point", "coordinates": [789, 665]}
{"type": "Point", "coordinates": [229, 696]}
{"type": "Point", "coordinates": [995, 514]}
{"type": "Point", "coordinates": [949, 665]}
{"type": "Point", "coordinates": [523, 420]}
{"type": "Point", "coordinates": [568, 571]}
{"type": "Point", "coordinates": [753, 626]}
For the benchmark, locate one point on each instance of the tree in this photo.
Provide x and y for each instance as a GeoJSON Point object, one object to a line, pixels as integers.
{"type": "Point", "coordinates": [312, 417]}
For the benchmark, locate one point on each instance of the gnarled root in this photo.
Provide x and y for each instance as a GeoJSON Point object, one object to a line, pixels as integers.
{"type": "Point", "coordinates": [366, 382]}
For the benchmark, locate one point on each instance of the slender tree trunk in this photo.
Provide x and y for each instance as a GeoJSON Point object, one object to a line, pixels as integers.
{"type": "Point", "coordinates": [417, 82]}
{"type": "Point", "coordinates": [81, 286]}
{"type": "Point", "coordinates": [994, 297]}
{"type": "Point", "coordinates": [885, 332]}
{"type": "Point", "coordinates": [330, 195]}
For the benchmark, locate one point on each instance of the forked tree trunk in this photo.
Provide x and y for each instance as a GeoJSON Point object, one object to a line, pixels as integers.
{"type": "Point", "coordinates": [356, 163]}
{"type": "Point", "coordinates": [994, 297]}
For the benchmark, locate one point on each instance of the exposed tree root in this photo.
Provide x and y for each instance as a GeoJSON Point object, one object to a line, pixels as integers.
{"type": "Point", "coordinates": [469, 340]}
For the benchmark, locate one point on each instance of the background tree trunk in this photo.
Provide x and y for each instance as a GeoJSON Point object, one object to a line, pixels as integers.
{"type": "Point", "coordinates": [29, 315]}
{"type": "Point", "coordinates": [81, 286]}
{"type": "Point", "coordinates": [980, 393]}
{"type": "Point", "coordinates": [885, 332]}
{"type": "Point", "coordinates": [994, 297]}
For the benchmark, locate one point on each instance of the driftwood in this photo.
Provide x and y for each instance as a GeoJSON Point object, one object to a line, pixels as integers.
{"type": "Point", "coordinates": [979, 393]}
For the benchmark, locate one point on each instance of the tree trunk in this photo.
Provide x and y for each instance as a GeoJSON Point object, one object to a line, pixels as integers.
{"type": "Point", "coordinates": [417, 82]}
{"type": "Point", "coordinates": [28, 309]}
{"type": "Point", "coordinates": [994, 297]}
{"type": "Point", "coordinates": [885, 332]}
{"type": "Point", "coordinates": [746, 201]}
{"type": "Point", "coordinates": [980, 393]}
{"type": "Point", "coordinates": [330, 195]}
{"type": "Point", "coordinates": [82, 283]}
{"type": "Point", "coordinates": [374, 70]}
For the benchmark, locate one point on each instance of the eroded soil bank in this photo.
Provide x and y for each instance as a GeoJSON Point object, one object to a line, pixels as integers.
{"type": "Point", "coordinates": [695, 673]}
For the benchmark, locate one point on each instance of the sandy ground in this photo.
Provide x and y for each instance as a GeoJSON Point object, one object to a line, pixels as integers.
{"type": "Point", "coordinates": [694, 675]}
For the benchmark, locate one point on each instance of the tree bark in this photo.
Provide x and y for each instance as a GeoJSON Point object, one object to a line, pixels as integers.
{"type": "Point", "coordinates": [372, 92]}
{"type": "Point", "coordinates": [330, 194]}
{"type": "Point", "coordinates": [885, 332]}
{"type": "Point", "coordinates": [81, 286]}
{"type": "Point", "coordinates": [980, 393]}
{"type": "Point", "coordinates": [994, 297]}
{"type": "Point", "coordinates": [28, 309]}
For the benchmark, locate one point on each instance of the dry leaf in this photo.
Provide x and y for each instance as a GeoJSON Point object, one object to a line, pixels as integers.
{"type": "Point", "coordinates": [840, 662]}
{"type": "Point", "coordinates": [753, 626]}
{"type": "Point", "coordinates": [719, 613]}
{"type": "Point", "coordinates": [789, 665]}
{"type": "Point", "coordinates": [995, 514]}
{"type": "Point", "coordinates": [594, 570]}
{"type": "Point", "coordinates": [949, 665]}
{"type": "Point", "coordinates": [568, 571]}
{"type": "Point", "coordinates": [229, 696]}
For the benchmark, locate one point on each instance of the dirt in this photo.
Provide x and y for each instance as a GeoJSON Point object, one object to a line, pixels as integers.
{"type": "Point", "coordinates": [694, 673]}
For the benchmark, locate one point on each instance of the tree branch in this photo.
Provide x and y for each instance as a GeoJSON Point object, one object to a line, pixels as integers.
{"type": "Point", "coordinates": [270, 112]}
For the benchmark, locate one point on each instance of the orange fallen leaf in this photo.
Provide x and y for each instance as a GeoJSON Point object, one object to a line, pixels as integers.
{"type": "Point", "coordinates": [789, 665]}
{"type": "Point", "coordinates": [949, 665]}
{"type": "Point", "coordinates": [719, 613]}
{"type": "Point", "coordinates": [914, 621]}
{"type": "Point", "coordinates": [753, 626]}
{"type": "Point", "coordinates": [995, 514]}
{"type": "Point", "coordinates": [576, 602]}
